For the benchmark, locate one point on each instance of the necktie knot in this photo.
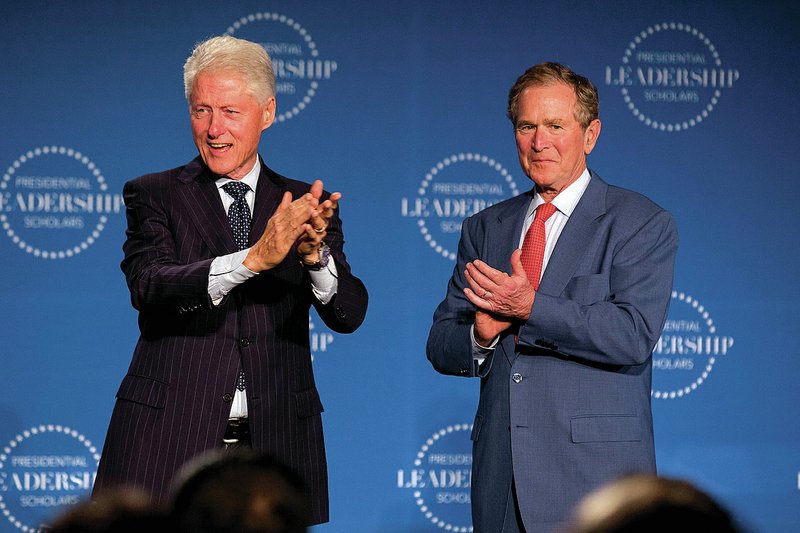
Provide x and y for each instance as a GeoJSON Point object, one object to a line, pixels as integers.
{"type": "Point", "coordinates": [236, 189]}
{"type": "Point", "coordinates": [545, 211]}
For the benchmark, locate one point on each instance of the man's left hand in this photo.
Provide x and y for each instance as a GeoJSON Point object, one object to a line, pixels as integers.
{"type": "Point", "coordinates": [496, 292]}
{"type": "Point", "coordinates": [316, 229]}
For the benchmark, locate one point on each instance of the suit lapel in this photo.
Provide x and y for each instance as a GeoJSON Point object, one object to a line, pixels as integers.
{"type": "Point", "coordinates": [572, 243]}
{"type": "Point", "coordinates": [200, 195]}
{"type": "Point", "coordinates": [269, 192]}
{"type": "Point", "coordinates": [202, 203]}
{"type": "Point", "coordinates": [506, 233]}
{"type": "Point", "coordinates": [575, 238]}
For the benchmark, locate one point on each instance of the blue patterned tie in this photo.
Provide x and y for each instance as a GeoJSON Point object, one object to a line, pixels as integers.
{"type": "Point", "coordinates": [239, 217]}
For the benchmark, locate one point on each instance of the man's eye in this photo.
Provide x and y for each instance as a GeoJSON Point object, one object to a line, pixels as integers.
{"type": "Point", "coordinates": [525, 128]}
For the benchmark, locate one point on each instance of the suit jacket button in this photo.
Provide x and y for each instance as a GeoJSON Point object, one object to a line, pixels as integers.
{"type": "Point", "coordinates": [341, 314]}
{"type": "Point", "coordinates": [464, 371]}
{"type": "Point", "coordinates": [227, 397]}
{"type": "Point", "coordinates": [244, 342]}
{"type": "Point", "coordinates": [516, 377]}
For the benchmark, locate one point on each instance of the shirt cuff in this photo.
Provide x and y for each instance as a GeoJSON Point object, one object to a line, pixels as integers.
{"type": "Point", "coordinates": [324, 282]}
{"type": "Point", "coordinates": [227, 272]}
{"type": "Point", "coordinates": [481, 353]}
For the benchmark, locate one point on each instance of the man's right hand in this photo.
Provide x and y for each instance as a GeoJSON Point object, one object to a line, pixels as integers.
{"type": "Point", "coordinates": [286, 225]}
{"type": "Point", "coordinates": [488, 327]}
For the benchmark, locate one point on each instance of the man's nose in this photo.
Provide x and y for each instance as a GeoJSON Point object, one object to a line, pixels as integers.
{"type": "Point", "coordinates": [539, 140]}
{"type": "Point", "coordinates": [216, 126]}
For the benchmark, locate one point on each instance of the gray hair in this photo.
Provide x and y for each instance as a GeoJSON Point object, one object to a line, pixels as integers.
{"type": "Point", "coordinates": [226, 53]}
{"type": "Point", "coordinates": [548, 73]}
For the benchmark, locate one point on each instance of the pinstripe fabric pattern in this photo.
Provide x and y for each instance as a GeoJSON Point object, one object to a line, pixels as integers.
{"type": "Point", "coordinates": [175, 399]}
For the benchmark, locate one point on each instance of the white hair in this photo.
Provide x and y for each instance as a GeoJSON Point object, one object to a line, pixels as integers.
{"type": "Point", "coordinates": [225, 53]}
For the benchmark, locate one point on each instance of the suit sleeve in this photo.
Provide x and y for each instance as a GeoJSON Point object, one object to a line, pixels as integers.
{"type": "Point", "coordinates": [449, 347]}
{"type": "Point", "coordinates": [345, 312]}
{"type": "Point", "coordinates": [614, 317]}
{"type": "Point", "coordinates": [153, 271]}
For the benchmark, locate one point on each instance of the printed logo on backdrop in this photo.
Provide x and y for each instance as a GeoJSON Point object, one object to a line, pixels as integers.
{"type": "Point", "coordinates": [319, 339]}
{"type": "Point", "coordinates": [687, 350]}
{"type": "Point", "coordinates": [43, 471]}
{"type": "Point", "coordinates": [54, 202]}
{"type": "Point", "coordinates": [671, 76]}
{"type": "Point", "coordinates": [297, 63]}
{"type": "Point", "coordinates": [455, 188]}
{"type": "Point", "coordinates": [440, 479]}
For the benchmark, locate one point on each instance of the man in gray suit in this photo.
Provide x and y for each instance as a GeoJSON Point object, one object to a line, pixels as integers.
{"type": "Point", "coordinates": [556, 302]}
{"type": "Point", "coordinates": [224, 258]}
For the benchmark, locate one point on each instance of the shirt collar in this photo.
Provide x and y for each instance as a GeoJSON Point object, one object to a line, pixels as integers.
{"type": "Point", "coordinates": [567, 199]}
{"type": "Point", "coordinates": [251, 178]}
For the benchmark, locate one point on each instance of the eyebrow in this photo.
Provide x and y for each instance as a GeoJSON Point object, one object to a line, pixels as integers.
{"type": "Point", "coordinates": [546, 122]}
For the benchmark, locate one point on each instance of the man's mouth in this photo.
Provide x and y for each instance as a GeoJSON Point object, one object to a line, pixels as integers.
{"type": "Point", "coordinates": [220, 146]}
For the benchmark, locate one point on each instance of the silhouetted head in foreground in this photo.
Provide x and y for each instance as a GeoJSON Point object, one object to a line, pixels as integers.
{"type": "Point", "coordinates": [640, 503]}
{"type": "Point", "coordinates": [239, 492]}
{"type": "Point", "coordinates": [120, 510]}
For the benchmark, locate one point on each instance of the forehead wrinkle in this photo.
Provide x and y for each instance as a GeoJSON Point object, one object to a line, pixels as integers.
{"type": "Point", "coordinates": [550, 103]}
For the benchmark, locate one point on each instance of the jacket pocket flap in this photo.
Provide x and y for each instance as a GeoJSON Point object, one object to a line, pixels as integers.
{"type": "Point", "coordinates": [143, 390]}
{"type": "Point", "coordinates": [606, 428]}
{"type": "Point", "coordinates": [308, 403]}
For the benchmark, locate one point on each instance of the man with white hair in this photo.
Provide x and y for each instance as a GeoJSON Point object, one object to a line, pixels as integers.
{"type": "Point", "coordinates": [224, 259]}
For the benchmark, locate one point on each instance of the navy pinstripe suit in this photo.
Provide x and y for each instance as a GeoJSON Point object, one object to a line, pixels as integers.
{"type": "Point", "coordinates": [175, 400]}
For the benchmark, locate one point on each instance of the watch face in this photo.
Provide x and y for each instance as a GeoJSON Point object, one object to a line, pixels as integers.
{"type": "Point", "coordinates": [324, 254]}
{"type": "Point", "coordinates": [324, 257]}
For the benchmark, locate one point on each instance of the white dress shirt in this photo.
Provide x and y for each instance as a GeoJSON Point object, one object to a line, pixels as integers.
{"type": "Point", "coordinates": [228, 271]}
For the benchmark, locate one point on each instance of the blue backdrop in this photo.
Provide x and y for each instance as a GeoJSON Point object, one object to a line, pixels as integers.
{"type": "Point", "coordinates": [400, 106]}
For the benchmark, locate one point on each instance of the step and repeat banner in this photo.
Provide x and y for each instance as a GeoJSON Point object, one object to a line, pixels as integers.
{"type": "Point", "coordinates": [401, 107]}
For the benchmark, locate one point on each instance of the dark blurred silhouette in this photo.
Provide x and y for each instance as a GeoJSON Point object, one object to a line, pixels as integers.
{"type": "Point", "coordinates": [640, 503]}
{"type": "Point", "coordinates": [239, 491]}
{"type": "Point", "coordinates": [122, 510]}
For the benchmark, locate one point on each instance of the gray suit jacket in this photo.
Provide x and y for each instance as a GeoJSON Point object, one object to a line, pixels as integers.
{"type": "Point", "coordinates": [568, 407]}
{"type": "Point", "coordinates": [175, 400]}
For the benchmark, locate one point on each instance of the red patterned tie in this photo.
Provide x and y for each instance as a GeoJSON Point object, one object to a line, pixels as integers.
{"type": "Point", "coordinates": [533, 245]}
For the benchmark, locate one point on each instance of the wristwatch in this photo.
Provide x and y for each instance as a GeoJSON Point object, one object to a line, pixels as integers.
{"type": "Point", "coordinates": [324, 257]}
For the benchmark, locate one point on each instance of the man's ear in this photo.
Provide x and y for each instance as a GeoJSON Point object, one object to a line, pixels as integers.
{"type": "Point", "coordinates": [269, 113]}
{"type": "Point", "coordinates": [590, 136]}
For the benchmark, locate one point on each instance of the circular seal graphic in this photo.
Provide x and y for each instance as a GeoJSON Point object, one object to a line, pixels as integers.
{"type": "Point", "coordinates": [687, 350]}
{"type": "Point", "coordinates": [456, 187]}
{"type": "Point", "coordinates": [442, 478]}
{"type": "Point", "coordinates": [43, 471]}
{"type": "Point", "coordinates": [295, 59]}
{"type": "Point", "coordinates": [54, 202]}
{"type": "Point", "coordinates": [671, 76]}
